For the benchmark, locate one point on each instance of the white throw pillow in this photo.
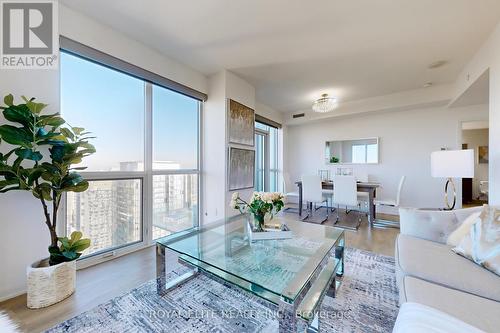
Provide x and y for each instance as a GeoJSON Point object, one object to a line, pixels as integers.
{"type": "Point", "coordinates": [463, 230]}
{"type": "Point", "coordinates": [482, 244]}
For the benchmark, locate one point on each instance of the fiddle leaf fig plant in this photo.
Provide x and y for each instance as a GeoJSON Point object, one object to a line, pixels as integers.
{"type": "Point", "coordinates": [42, 151]}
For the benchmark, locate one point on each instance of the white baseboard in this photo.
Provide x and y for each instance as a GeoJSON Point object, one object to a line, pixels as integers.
{"type": "Point", "coordinates": [12, 295]}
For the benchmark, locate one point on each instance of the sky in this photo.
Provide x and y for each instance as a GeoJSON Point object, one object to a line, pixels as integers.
{"type": "Point", "coordinates": [110, 104]}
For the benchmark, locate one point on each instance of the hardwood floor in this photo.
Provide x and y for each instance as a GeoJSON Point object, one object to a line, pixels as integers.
{"type": "Point", "coordinates": [95, 285]}
{"type": "Point", "coordinates": [100, 283]}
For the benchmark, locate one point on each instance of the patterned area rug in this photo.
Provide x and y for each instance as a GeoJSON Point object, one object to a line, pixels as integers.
{"type": "Point", "coordinates": [366, 302]}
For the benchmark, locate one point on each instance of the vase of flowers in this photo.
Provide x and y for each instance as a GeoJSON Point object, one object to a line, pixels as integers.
{"type": "Point", "coordinates": [260, 205]}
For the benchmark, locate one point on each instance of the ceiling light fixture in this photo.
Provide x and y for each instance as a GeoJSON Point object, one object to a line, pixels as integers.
{"type": "Point", "coordinates": [324, 104]}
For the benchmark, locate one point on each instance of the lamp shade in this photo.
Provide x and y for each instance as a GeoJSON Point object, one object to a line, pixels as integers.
{"type": "Point", "coordinates": [452, 163]}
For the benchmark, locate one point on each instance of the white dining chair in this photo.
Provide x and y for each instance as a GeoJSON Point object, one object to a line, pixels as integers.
{"type": "Point", "coordinates": [345, 194]}
{"type": "Point", "coordinates": [363, 197]}
{"type": "Point", "coordinates": [326, 192]}
{"type": "Point", "coordinates": [291, 192]}
{"type": "Point", "coordinates": [389, 203]}
{"type": "Point", "coordinates": [312, 194]}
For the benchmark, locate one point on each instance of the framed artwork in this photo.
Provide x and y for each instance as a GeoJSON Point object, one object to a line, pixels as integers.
{"type": "Point", "coordinates": [482, 155]}
{"type": "Point", "coordinates": [241, 124]}
{"type": "Point", "coordinates": [241, 168]}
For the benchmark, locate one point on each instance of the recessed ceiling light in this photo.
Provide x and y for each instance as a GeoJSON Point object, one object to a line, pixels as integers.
{"type": "Point", "coordinates": [437, 64]}
{"type": "Point", "coordinates": [427, 84]}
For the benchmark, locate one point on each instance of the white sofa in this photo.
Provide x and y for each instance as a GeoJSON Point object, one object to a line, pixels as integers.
{"type": "Point", "coordinates": [430, 274]}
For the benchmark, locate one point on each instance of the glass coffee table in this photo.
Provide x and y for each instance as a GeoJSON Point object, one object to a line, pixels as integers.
{"type": "Point", "coordinates": [291, 276]}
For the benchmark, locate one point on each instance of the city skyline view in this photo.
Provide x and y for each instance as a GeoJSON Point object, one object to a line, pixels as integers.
{"type": "Point", "coordinates": [111, 211]}
{"type": "Point", "coordinates": [115, 116]}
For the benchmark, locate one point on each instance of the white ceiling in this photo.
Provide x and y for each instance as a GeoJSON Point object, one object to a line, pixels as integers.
{"type": "Point", "coordinates": [294, 50]}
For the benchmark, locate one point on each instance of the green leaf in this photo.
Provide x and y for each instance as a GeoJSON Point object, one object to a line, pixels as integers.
{"type": "Point", "coordinates": [80, 187]}
{"type": "Point", "coordinates": [16, 136]}
{"type": "Point", "coordinates": [72, 179]}
{"type": "Point", "coordinates": [36, 108]}
{"type": "Point", "coordinates": [28, 154]}
{"type": "Point", "coordinates": [53, 120]}
{"type": "Point", "coordinates": [27, 100]}
{"type": "Point", "coordinates": [81, 245]}
{"type": "Point", "coordinates": [5, 183]}
{"type": "Point", "coordinates": [79, 168]}
{"type": "Point", "coordinates": [71, 255]}
{"type": "Point", "coordinates": [8, 100]}
{"type": "Point", "coordinates": [35, 173]}
{"type": "Point", "coordinates": [19, 114]}
{"type": "Point", "coordinates": [43, 191]}
{"type": "Point", "coordinates": [11, 189]}
{"type": "Point", "coordinates": [78, 130]}
{"type": "Point", "coordinates": [67, 133]}
{"type": "Point", "coordinates": [57, 153]}
{"type": "Point", "coordinates": [75, 235]}
{"type": "Point", "coordinates": [43, 132]}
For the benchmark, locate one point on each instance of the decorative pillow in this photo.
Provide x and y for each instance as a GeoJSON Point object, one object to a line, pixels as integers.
{"type": "Point", "coordinates": [463, 230]}
{"type": "Point", "coordinates": [482, 244]}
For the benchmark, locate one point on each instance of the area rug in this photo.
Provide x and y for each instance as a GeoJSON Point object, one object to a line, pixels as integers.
{"type": "Point", "coordinates": [366, 302]}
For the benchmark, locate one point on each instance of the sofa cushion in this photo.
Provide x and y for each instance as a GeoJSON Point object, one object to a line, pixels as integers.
{"type": "Point", "coordinates": [419, 318]}
{"type": "Point", "coordinates": [482, 244]}
{"type": "Point", "coordinates": [432, 225]}
{"type": "Point", "coordinates": [476, 311]}
{"type": "Point", "coordinates": [463, 230]}
{"type": "Point", "coordinates": [436, 263]}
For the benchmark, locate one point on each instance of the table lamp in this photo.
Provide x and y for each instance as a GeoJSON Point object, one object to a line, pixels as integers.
{"type": "Point", "coordinates": [452, 164]}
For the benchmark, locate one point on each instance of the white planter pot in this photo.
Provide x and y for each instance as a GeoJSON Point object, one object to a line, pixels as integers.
{"type": "Point", "coordinates": [48, 285]}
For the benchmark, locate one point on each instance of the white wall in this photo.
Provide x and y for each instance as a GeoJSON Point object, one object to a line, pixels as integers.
{"type": "Point", "coordinates": [223, 86]}
{"type": "Point", "coordinates": [23, 237]}
{"type": "Point", "coordinates": [406, 142]}
{"type": "Point", "coordinates": [474, 139]}
{"type": "Point", "coordinates": [241, 91]}
{"type": "Point", "coordinates": [488, 57]}
{"type": "Point", "coordinates": [214, 150]}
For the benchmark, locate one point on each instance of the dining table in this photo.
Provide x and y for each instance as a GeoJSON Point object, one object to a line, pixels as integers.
{"type": "Point", "coordinates": [368, 187]}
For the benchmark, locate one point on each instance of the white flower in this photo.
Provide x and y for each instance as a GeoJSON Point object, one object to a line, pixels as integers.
{"type": "Point", "coordinates": [267, 197]}
{"type": "Point", "coordinates": [235, 196]}
{"type": "Point", "coordinates": [233, 204]}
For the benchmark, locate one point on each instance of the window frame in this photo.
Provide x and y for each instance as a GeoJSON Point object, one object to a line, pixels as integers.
{"type": "Point", "coordinates": [145, 176]}
{"type": "Point", "coordinates": [267, 155]}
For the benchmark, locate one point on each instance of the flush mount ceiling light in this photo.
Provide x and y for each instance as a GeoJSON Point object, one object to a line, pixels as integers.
{"type": "Point", "coordinates": [324, 104]}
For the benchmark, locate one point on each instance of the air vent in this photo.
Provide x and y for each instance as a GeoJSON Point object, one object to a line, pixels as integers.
{"type": "Point", "coordinates": [298, 115]}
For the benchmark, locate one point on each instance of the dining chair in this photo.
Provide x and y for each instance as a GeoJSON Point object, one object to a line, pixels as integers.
{"type": "Point", "coordinates": [326, 192]}
{"type": "Point", "coordinates": [381, 223]}
{"type": "Point", "coordinates": [345, 194]}
{"type": "Point", "coordinates": [291, 192]}
{"type": "Point", "coordinates": [312, 194]}
{"type": "Point", "coordinates": [363, 197]}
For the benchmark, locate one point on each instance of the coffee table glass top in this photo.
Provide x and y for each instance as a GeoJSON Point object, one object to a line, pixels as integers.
{"type": "Point", "coordinates": [271, 267]}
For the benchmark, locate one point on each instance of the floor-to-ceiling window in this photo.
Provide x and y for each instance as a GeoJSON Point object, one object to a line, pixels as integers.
{"type": "Point", "coordinates": [266, 158]}
{"type": "Point", "coordinates": [144, 176]}
{"type": "Point", "coordinates": [175, 161]}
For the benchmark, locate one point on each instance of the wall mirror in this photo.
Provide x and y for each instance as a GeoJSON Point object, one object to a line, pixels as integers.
{"type": "Point", "coordinates": [356, 151]}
